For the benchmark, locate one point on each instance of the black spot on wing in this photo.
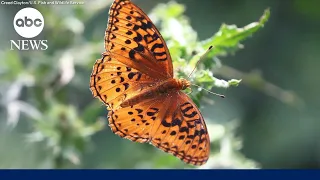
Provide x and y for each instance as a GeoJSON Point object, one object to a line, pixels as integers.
{"type": "Point", "coordinates": [155, 46]}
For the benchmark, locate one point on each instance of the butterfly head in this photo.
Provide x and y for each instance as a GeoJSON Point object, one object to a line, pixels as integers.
{"type": "Point", "coordinates": [184, 84]}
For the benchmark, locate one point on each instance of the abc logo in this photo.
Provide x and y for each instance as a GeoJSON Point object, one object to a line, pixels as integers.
{"type": "Point", "coordinates": [28, 22]}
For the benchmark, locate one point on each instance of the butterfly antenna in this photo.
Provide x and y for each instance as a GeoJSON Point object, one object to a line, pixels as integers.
{"type": "Point", "coordinates": [203, 55]}
{"type": "Point", "coordinates": [220, 95]}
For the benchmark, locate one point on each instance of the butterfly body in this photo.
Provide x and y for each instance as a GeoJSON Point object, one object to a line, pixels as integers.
{"type": "Point", "coordinates": [135, 80]}
{"type": "Point", "coordinates": [161, 88]}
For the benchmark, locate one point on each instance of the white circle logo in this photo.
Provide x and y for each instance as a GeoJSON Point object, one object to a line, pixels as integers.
{"type": "Point", "coordinates": [28, 22]}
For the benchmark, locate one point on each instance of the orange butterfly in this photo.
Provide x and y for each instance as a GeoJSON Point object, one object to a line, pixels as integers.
{"type": "Point", "coordinates": [134, 78]}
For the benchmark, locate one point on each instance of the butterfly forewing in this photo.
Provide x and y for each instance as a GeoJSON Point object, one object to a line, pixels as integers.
{"type": "Point", "coordinates": [172, 123]}
{"type": "Point", "coordinates": [131, 34]}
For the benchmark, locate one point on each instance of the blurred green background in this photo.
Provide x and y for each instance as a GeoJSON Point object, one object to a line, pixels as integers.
{"type": "Point", "coordinates": [49, 118]}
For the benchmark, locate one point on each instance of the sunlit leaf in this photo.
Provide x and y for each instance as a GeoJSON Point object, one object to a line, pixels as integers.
{"type": "Point", "coordinates": [228, 38]}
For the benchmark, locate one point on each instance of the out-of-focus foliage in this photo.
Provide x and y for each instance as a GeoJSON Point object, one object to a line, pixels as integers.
{"type": "Point", "coordinates": [50, 119]}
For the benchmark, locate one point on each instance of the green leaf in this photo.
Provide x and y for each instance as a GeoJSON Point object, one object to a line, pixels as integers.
{"type": "Point", "coordinates": [170, 10]}
{"type": "Point", "coordinates": [234, 82]}
{"type": "Point", "coordinates": [228, 38]}
{"type": "Point", "coordinates": [205, 77]}
{"type": "Point", "coordinates": [175, 27]}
